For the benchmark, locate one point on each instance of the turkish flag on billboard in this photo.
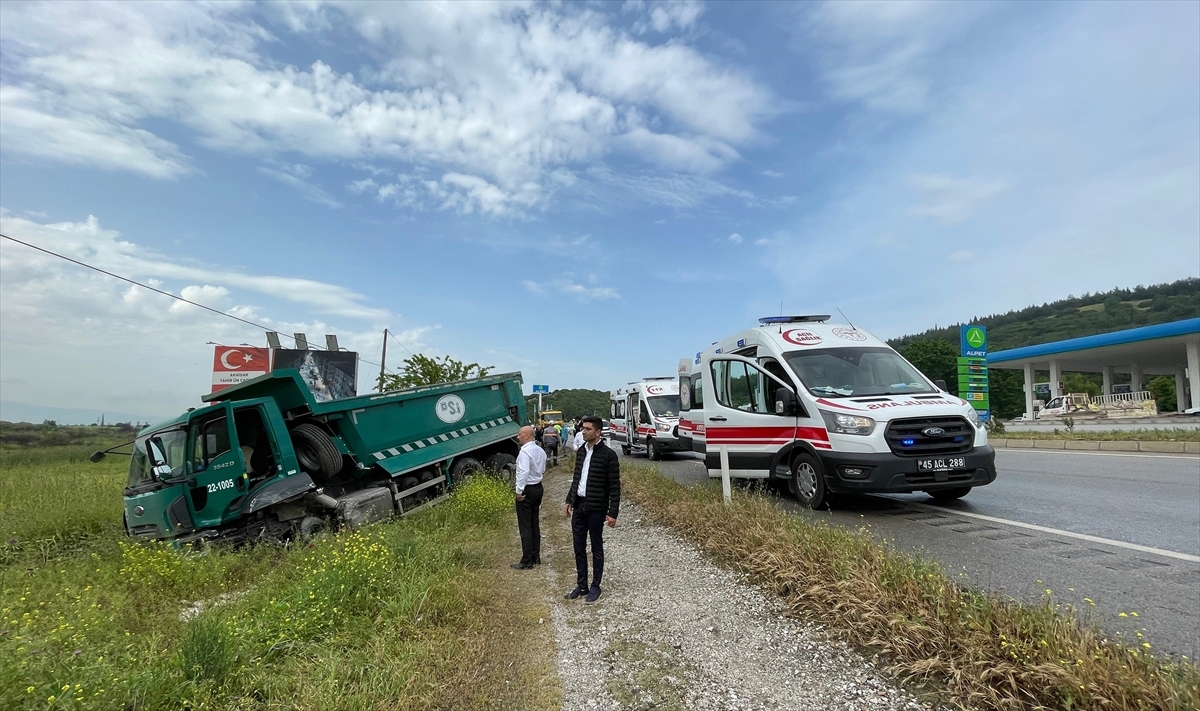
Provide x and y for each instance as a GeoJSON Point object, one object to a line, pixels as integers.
{"type": "Point", "coordinates": [233, 365]}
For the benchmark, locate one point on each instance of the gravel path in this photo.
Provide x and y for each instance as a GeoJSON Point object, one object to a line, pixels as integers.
{"type": "Point", "coordinates": [675, 631]}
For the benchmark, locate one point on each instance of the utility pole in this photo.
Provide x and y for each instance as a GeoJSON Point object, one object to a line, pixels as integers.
{"type": "Point", "coordinates": [383, 360]}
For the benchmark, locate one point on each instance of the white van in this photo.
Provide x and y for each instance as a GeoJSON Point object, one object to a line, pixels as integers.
{"type": "Point", "coordinates": [829, 408]}
{"type": "Point", "coordinates": [644, 416]}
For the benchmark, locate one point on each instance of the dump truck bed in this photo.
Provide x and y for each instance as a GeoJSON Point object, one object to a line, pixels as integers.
{"type": "Point", "coordinates": [401, 430]}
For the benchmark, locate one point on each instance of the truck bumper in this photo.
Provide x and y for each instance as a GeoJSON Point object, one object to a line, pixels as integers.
{"type": "Point", "coordinates": [887, 473]}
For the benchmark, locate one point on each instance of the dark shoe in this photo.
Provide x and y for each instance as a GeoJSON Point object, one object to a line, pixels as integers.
{"type": "Point", "coordinates": [593, 594]}
{"type": "Point", "coordinates": [577, 592]}
{"type": "Point", "coordinates": [538, 561]}
{"type": "Point", "coordinates": [521, 566]}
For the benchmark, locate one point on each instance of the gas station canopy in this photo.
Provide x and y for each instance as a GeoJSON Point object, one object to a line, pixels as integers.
{"type": "Point", "coordinates": [1162, 349]}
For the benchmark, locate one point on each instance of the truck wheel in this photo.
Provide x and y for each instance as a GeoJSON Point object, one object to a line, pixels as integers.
{"type": "Point", "coordinates": [310, 526]}
{"type": "Point", "coordinates": [462, 469]}
{"type": "Point", "coordinates": [808, 482]}
{"type": "Point", "coordinates": [504, 466]}
{"type": "Point", "coordinates": [315, 450]}
{"type": "Point", "coordinates": [652, 451]}
{"type": "Point", "coordinates": [949, 494]}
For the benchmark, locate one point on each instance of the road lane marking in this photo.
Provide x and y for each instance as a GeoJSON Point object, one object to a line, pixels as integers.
{"type": "Point", "coordinates": [1058, 532]}
{"type": "Point", "coordinates": [1150, 455]}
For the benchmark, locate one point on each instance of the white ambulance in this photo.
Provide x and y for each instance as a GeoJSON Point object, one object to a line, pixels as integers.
{"type": "Point", "coordinates": [691, 404]}
{"type": "Point", "coordinates": [831, 409]}
{"type": "Point", "coordinates": [644, 416]}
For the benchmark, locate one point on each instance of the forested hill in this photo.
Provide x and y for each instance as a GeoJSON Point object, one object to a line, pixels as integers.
{"type": "Point", "coordinates": [573, 402]}
{"type": "Point", "coordinates": [1073, 317]}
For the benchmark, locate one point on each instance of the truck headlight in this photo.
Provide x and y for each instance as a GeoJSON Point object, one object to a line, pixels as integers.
{"type": "Point", "coordinates": [663, 427]}
{"type": "Point", "coordinates": [847, 424]}
{"type": "Point", "coordinates": [973, 417]}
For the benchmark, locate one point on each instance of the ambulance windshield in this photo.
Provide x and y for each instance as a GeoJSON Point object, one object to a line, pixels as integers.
{"type": "Point", "coordinates": [855, 372]}
{"type": "Point", "coordinates": [664, 405]}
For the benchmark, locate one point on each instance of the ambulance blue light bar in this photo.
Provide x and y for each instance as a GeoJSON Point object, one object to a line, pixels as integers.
{"type": "Point", "coordinates": [768, 320]}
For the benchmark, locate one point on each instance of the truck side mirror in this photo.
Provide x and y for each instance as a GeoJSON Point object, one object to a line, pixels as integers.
{"type": "Point", "coordinates": [941, 385]}
{"type": "Point", "coordinates": [785, 402]}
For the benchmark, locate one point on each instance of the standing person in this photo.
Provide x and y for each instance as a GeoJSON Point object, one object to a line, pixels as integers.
{"type": "Point", "coordinates": [578, 441]}
{"type": "Point", "coordinates": [550, 440]}
{"type": "Point", "coordinates": [531, 466]}
{"type": "Point", "coordinates": [593, 500]}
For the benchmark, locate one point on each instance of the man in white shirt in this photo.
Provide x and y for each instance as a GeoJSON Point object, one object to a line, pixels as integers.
{"type": "Point", "coordinates": [531, 467]}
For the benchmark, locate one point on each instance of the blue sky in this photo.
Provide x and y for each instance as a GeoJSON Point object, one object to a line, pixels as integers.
{"type": "Point", "coordinates": [583, 192]}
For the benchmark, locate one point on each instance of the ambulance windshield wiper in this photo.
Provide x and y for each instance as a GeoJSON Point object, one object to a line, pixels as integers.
{"type": "Point", "coordinates": [831, 391]}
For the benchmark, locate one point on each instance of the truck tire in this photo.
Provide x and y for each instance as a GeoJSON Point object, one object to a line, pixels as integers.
{"type": "Point", "coordinates": [315, 451]}
{"type": "Point", "coordinates": [808, 482]}
{"type": "Point", "coordinates": [462, 469]}
{"type": "Point", "coordinates": [949, 494]}
{"type": "Point", "coordinates": [504, 466]}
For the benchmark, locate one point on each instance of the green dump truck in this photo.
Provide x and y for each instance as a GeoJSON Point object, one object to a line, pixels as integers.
{"type": "Point", "coordinates": [265, 460]}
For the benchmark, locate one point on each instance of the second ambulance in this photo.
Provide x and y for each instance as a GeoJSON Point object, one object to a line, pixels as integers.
{"type": "Point", "coordinates": [829, 408]}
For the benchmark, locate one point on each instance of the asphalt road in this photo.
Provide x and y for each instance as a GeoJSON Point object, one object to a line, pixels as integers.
{"type": "Point", "coordinates": [1148, 506]}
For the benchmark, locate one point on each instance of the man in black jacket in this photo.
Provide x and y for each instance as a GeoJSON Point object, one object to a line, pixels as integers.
{"type": "Point", "coordinates": [593, 500]}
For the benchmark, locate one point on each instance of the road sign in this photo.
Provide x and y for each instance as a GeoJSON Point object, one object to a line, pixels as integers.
{"type": "Point", "coordinates": [541, 388]}
{"type": "Point", "coordinates": [973, 341]}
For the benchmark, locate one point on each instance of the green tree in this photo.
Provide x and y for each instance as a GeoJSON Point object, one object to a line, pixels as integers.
{"type": "Point", "coordinates": [422, 370]}
{"type": "Point", "coordinates": [572, 402]}
{"type": "Point", "coordinates": [1163, 390]}
{"type": "Point", "coordinates": [1089, 383]}
{"type": "Point", "coordinates": [935, 358]}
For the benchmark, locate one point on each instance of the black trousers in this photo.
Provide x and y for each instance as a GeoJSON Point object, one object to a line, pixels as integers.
{"type": "Point", "coordinates": [584, 525]}
{"type": "Point", "coordinates": [529, 524]}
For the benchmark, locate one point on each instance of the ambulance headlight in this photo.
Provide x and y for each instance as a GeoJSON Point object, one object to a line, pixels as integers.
{"type": "Point", "coordinates": [847, 424]}
{"type": "Point", "coordinates": [663, 427]}
{"type": "Point", "coordinates": [973, 417]}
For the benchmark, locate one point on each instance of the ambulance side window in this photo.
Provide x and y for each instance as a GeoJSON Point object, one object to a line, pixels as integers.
{"type": "Point", "coordinates": [644, 415]}
{"type": "Point", "coordinates": [698, 392]}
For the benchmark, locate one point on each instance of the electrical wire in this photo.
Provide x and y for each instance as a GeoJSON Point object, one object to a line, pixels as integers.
{"type": "Point", "coordinates": [167, 293]}
{"type": "Point", "coordinates": [397, 340]}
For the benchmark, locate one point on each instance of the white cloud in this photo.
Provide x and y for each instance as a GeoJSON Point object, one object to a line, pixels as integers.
{"type": "Point", "coordinates": [953, 200]}
{"type": "Point", "coordinates": [772, 173]}
{"type": "Point", "coordinates": [884, 55]}
{"type": "Point", "coordinates": [534, 288]}
{"type": "Point", "coordinates": [734, 238]}
{"type": "Point", "coordinates": [310, 192]}
{"type": "Point", "coordinates": [497, 97]}
{"type": "Point", "coordinates": [961, 255]}
{"type": "Point", "coordinates": [568, 286]}
{"type": "Point", "coordinates": [77, 338]}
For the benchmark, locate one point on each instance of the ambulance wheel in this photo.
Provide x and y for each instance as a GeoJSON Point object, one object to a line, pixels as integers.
{"type": "Point", "coordinates": [949, 494]}
{"type": "Point", "coordinates": [462, 469]}
{"type": "Point", "coordinates": [652, 450]}
{"type": "Point", "coordinates": [626, 449]}
{"type": "Point", "coordinates": [504, 466]}
{"type": "Point", "coordinates": [315, 451]}
{"type": "Point", "coordinates": [808, 482]}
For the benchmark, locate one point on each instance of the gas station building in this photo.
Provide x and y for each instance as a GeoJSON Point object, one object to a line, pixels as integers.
{"type": "Point", "coordinates": [1162, 349]}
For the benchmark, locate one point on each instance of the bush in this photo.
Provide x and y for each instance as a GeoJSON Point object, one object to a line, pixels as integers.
{"type": "Point", "coordinates": [482, 501]}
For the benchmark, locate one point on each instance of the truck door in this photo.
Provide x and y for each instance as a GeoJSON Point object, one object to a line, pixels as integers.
{"type": "Point", "coordinates": [740, 416]}
{"type": "Point", "coordinates": [217, 472]}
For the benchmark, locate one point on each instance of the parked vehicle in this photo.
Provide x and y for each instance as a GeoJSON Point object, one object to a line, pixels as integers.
{"type": "Point", "coordinates": [645, 417]}
{"type": "Point", "coordinates": [265, 459]}
{"type": "Point", "coordinates": [829, 408]}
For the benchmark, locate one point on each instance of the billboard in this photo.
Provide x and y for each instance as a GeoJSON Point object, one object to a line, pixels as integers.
{"type": "Point", "coordinates": [330, 375]}
{"type": "Point", "coordinates": [233, 365]}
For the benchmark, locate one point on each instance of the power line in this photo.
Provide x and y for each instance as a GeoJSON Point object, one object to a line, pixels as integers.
{"type": "Point", "coordinates": [397, 340]}
{"type": "Point", "coordinates": [164, 293]}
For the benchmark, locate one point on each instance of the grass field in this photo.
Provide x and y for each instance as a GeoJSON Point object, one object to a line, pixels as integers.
{"type": "Point", "coordinates": [981, 651]}
{"type": "Point", "coordinates": [417, 613]}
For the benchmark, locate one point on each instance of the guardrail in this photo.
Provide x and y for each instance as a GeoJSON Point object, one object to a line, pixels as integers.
{"type": "Point", "coordinates": [1156, 446]}
{"type": "Point", "coordinates": [1138, 397]}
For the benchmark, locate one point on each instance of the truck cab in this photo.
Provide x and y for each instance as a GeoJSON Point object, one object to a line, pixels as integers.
{"type": "Point", "coordinates": [829, 408]}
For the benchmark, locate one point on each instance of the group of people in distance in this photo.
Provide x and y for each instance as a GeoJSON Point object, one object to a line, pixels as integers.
{"type": "Point", "coordinates": [593, 500]}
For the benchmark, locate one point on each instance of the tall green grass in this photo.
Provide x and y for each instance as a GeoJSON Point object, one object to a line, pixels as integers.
{"type": "Point", "coordinates": [395, 615]}
{"type": "Point", "coordinates": [985, 651]}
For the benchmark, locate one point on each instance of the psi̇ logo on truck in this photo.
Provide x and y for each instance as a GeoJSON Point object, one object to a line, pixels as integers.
{"type": "Point", "coordinates": [450, 408]}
